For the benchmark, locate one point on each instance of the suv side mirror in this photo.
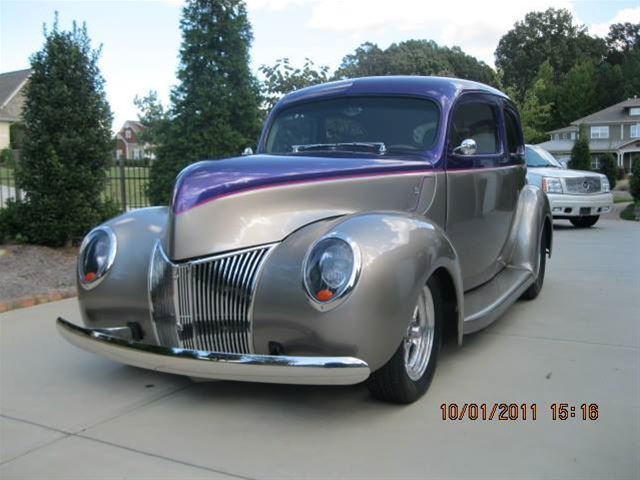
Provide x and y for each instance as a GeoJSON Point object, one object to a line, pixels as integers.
{"type": "Point", "coordinates": [247, 151]}
{"type": "Point", "coordinates": [467, 147]}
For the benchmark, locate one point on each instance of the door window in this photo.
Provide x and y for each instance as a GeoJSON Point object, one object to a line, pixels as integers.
{"type": "Point", "coordinates": [513, 135]}
{"type": "Point", "coordinates": [477, 121]}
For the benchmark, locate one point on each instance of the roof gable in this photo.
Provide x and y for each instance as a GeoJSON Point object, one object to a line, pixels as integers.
{"type": "Point", "coordinates": [614, 114]}
{"type": "Point", "coordinates": [11, 83]}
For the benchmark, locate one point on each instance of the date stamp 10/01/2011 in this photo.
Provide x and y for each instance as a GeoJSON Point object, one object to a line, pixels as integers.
{"type": "Point", "coordinates": [517, 411]}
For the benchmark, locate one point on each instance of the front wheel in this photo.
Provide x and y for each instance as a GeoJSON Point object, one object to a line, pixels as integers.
{"type": "Point", "coordinates": [584, 222]}
{"type": "Point", "coordinates": [407, 375]}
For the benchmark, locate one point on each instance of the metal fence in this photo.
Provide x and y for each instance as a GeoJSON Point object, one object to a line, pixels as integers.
{"type": "Point", "coordinates": [126, 184]}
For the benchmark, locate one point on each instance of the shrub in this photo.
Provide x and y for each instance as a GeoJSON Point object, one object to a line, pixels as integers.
{"type": "Point", "coordinates": [634, 181]}
{"type": "Point", "coordinates": [6, 157]}
{"type": "Point", "coordinates": [622, 174]}
{"type": "Point", "coordinates": [608, 168]}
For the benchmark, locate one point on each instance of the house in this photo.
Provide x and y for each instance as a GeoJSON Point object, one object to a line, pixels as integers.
{"type": "Point", "coordinates": [616, 129]}
{"type": "Point", "coordinates": [12, 86]}
{"type": "Point", "coordinates": [129, 144]}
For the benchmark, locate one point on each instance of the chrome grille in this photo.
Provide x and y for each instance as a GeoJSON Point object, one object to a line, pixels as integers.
{"type": "Point", "coordinates": [583, 185]}
{"type": "Point", "coordinates": [205, 304]}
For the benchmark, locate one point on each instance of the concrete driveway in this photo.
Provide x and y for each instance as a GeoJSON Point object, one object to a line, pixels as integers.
{"type": "Point", "coordinates": [68, 414]}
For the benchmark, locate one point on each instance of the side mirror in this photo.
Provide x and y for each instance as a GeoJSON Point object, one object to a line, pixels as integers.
{"type": "Point", "coordinates": [564, 164]}
{"type": "Point", "coordinates": [247, 151]}
{"type": "Point", "coordinates": [467, 147]}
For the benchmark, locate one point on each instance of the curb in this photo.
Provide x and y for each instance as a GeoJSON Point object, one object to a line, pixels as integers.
{"type": "Point", "coordinates": [30, 301]}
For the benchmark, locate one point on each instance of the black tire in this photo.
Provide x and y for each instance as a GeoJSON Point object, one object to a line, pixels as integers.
{"type": "Point", "coordinates": [584, 222]}
{"type": "Point", "coordinates": [391, 383]}
{"type": "Point", "coordinates": [534, 289]}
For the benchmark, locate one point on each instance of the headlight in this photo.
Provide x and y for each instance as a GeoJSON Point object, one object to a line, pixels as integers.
{"type": "Point", "coordinates": [331, 270]}
{"type": "Point", "coordinates": [605, 185]}
{"type": "Point", "coordinates": [97, 253]}
{"type": "Point", "coordinates": [551, 185]}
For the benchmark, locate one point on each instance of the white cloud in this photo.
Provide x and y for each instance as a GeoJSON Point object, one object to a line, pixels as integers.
{"type": "Point", "coordinates": [276, 4]}
{"type": "Point", "coordinates": [626, 15]}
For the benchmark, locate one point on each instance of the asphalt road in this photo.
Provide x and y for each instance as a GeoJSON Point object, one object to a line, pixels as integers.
{"type": "Point", "coordinates": [68, 414]}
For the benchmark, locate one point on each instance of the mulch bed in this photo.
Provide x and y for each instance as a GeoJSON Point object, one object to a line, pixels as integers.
{"type": "Point", "coordinates": [31, 274]}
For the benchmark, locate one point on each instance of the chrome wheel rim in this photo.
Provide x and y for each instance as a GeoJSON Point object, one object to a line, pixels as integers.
{"type": "Point", "coordinates": [418, 341]}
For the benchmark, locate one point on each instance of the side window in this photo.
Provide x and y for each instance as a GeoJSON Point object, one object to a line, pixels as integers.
{"type": "Point", "coordinates": [513, 135]}
{"type": "Point", "coordinates": [478, 121]}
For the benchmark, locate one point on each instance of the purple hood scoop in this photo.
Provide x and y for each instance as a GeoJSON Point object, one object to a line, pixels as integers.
{"type": "Point", "coordinates": [206, 181]}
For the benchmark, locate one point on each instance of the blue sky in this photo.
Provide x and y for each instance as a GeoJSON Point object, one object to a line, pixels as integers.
{"type": "Point", "coordinates": [140, 39]}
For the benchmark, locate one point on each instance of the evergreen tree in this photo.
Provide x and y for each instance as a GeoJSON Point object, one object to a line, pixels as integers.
{"type": "Point", "coordinates": [608, 167]}
{"type": "Point", "coordinates": [580, 153]}
{"type": "Point", "coordinates": [67, 143]}
{"type": "Point", "coordinates": [214, 109]}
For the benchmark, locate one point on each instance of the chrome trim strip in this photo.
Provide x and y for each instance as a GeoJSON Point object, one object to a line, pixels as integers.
{"type": "Point", "coordinates": [219, 366]}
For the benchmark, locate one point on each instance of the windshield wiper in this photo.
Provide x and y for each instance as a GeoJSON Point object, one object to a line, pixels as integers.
{"type": "Point", "coordinates": [378, 147]}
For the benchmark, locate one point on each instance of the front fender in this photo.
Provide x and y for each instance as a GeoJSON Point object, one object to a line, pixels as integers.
{"type": "Point", "coordinates": [399, 253]}
{"type": "Point", "coordinates": [123, 295]}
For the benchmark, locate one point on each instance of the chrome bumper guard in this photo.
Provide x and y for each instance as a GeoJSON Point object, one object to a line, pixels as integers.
{"type": "Point", "coordinates": [218, 366]}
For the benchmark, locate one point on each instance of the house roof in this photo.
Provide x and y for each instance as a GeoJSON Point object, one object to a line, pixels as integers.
{"type": "Point", "coordinates": [133, 125]}
{"type": "Point", "coordinates": [10, 84]}
{"type": "Point", "coordinates": [595, 145]}
{"type": "Point", "coordinates": [614, 114]}
{"type": "Point", "coordinates": [570, 128]}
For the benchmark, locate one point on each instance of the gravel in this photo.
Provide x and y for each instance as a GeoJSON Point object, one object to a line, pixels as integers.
{"type": "Point", "coordinates": [27, 270]}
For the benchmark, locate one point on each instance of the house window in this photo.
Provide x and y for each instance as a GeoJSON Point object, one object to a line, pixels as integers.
{"type": "Point", "coordinates": [127, 134]}
{"type": "Point", "coordinates": [599, 132]}
{"type": "Point", "coordinates": [635, 130]}
{"type": "Point", "coordinates": [634, 111]}
{"type": "Point", "coordinates": [595, 162]}
{"type": "Point", "coordinates": [573, 135]}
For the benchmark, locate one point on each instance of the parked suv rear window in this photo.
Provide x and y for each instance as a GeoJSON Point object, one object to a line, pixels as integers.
{"type": "Point", "coordinates": [402, 124]}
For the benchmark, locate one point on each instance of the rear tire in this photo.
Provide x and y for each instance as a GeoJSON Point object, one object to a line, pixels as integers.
{"type": "Point", "coordinates": [408, 374]}
{"type": "Point", "coordinates": [534, 289]}
{"type": "Point", "coordinates": [584, 222]}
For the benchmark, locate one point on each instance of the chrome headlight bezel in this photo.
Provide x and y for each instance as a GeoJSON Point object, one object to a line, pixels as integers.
{"type": "Point", "coordinates": [104, 270]}
{"type": "Point", "coordinates": [552, 185]}
{"type": "Point", "coordinates": [312, 261]}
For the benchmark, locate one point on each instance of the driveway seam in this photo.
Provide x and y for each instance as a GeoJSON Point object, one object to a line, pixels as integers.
{"type": "Point", "coordinates": [535, 337]}
{"type": "Point", "coordinates": [104, 442]}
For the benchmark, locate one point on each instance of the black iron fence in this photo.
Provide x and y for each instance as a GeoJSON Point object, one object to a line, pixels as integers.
{"type": "Point", "coordinates": [126, 184]}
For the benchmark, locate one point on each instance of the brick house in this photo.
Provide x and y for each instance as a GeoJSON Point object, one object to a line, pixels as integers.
{"type": "Point", "coordinates": [616, 129]}
{"type": "Point", "coordinates": [12, 85]}
{"type": "Point", "coordinates": [129, 145]}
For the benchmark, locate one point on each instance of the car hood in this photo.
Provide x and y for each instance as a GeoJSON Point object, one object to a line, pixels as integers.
{"type": "Point", "coordinates": [561, 173]}
{"type": "Point", "coordinates": [241, 202]}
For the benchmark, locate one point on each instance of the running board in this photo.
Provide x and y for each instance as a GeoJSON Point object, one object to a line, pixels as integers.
{"type": "Point", "coordinates": [484, 304]}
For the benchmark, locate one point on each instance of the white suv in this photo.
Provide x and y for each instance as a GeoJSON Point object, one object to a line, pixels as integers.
{"type": "Point", "coordinates": [575, 195]}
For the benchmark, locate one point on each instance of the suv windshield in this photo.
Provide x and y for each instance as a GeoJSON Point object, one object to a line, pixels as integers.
{"type": "Point", "coordinates": [539, 157]}
{"type": "Point", "coordinates": [361, 124]}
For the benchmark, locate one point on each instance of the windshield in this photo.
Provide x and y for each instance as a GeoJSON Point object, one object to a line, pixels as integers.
{"type": "Point", "coordinates": [539, 157]}
{"type": "Point", "coordinates": [363, 124]}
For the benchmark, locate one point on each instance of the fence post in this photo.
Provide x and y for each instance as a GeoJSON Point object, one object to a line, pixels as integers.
{"type": "Point", "coordinates": [16, 160]}
{"type": "Point", "coordinates": [123, 185]}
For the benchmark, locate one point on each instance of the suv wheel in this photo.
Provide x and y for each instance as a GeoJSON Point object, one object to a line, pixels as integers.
{"type": "Point", "coordinates": [584, 222]}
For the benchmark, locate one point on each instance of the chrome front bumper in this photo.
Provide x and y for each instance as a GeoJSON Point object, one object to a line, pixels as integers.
{"type": "Point", "coordinates": [218, 366]}
{"type": "Point", "coordinates": [567, 205]}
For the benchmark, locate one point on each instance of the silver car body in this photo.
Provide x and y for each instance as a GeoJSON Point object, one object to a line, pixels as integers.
{"type": "Point", "coordinates": [211, 287]}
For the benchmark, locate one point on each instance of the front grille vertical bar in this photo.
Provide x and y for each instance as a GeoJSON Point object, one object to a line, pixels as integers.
{"type": "Point", "coordinates": [205, 304]}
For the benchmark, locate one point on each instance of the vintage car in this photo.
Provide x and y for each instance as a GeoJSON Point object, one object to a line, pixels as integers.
{"type": "Point", "coordinates": [574, 195]}
{"type": "Point", "coordinates": [377, 216]}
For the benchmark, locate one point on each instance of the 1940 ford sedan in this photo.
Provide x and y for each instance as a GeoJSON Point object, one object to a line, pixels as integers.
{"type": "Point", "coordinates": [378, 215]}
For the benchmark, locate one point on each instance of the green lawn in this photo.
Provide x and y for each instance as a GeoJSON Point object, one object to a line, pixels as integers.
{"type": "Point", "coordinates": [136, 181]}
{"type": "Point", "coordinates": [629, 213]}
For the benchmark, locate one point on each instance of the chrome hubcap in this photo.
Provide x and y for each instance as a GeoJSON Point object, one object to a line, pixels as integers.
{"type": "Point", "coordinates": [418, 341]}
